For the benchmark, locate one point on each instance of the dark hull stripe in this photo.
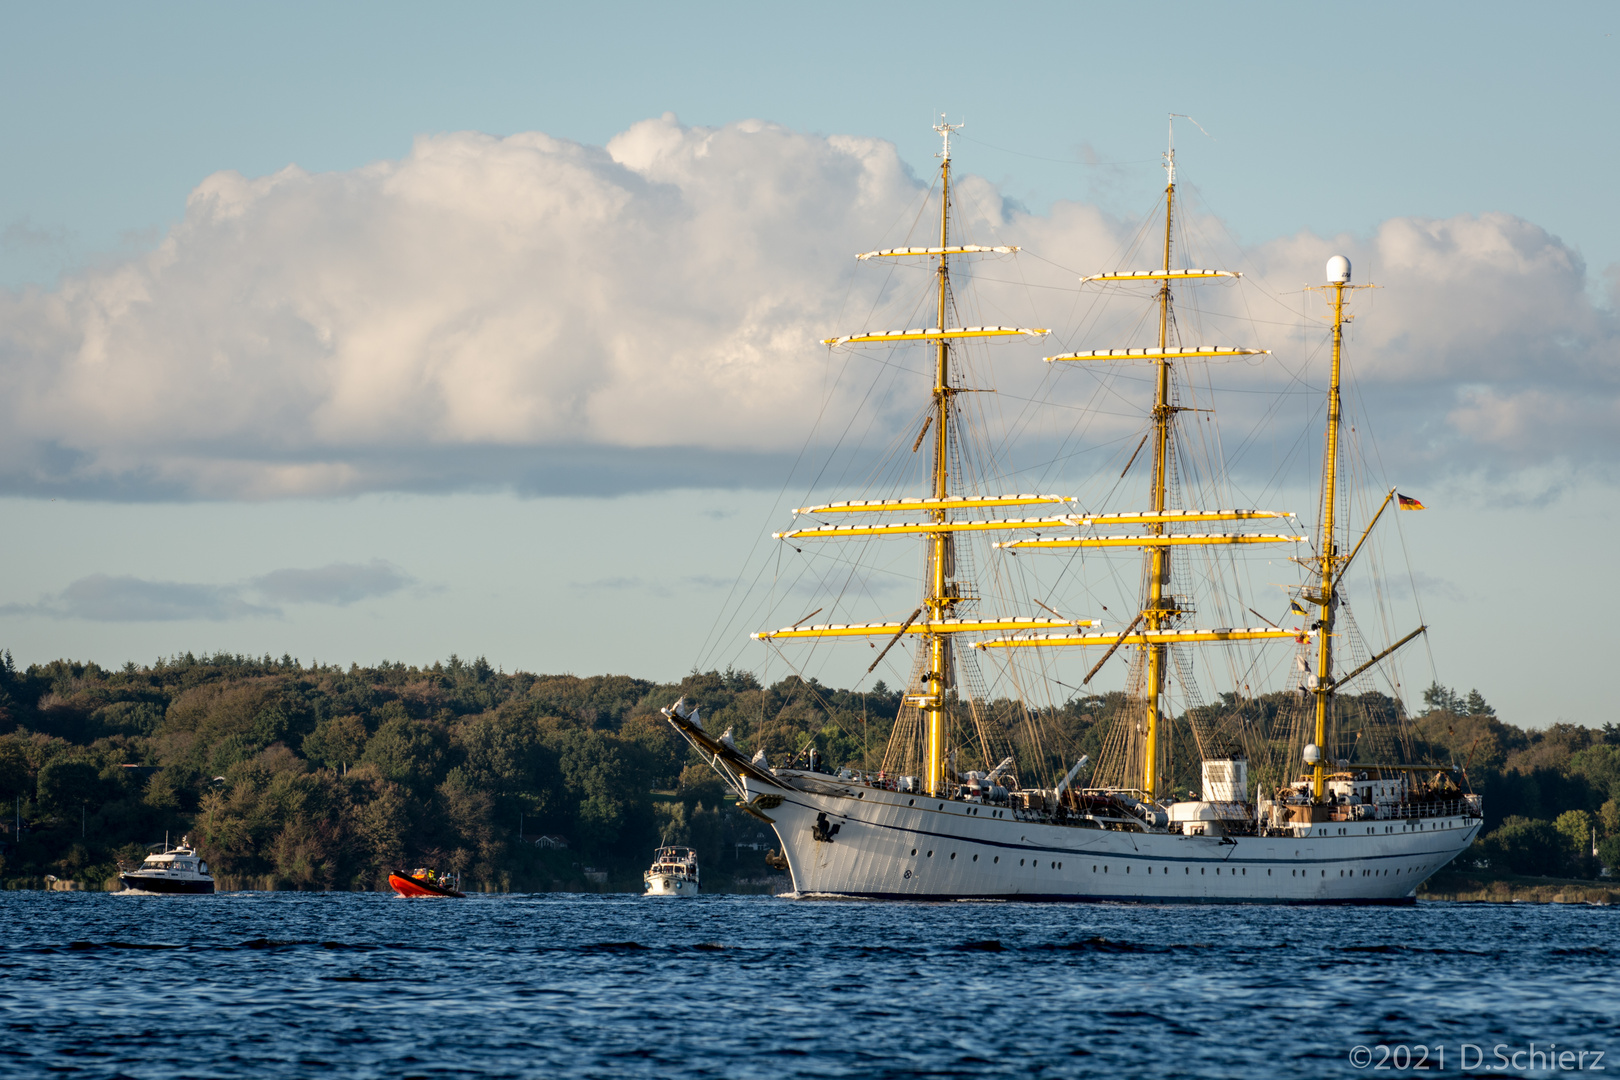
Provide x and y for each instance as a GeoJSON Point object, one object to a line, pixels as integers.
{"type": "Point", "coordinates": [165, 886]}
{"type": "Point", "coordinates": [1078, 898]}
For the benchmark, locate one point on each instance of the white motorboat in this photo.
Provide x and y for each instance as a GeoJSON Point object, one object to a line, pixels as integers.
{"type": "Point", "coordinates": [674, 872]}
{"type": "Point", "coordinates": [170, 871]}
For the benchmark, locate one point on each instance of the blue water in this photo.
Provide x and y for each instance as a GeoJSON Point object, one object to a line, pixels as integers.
{"type": "Point", "coordinates": [357, 985]}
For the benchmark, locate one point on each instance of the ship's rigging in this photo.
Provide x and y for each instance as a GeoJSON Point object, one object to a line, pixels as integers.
{"type": "Point", "coordinates": [995, 779]}
{"type": "Point", "coordinates": [948, 717]}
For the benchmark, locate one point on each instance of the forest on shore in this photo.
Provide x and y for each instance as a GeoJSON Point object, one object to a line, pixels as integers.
{"type": "Point", "coordinates": [321, 777]}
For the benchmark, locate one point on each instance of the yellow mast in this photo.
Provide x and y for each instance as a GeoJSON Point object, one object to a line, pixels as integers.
{"type": "Point", "coordinates": [1339, 278]}
{"type": "Point", "coordinates": [1157, 614]}
{"type": "Point", "coordinates": [1161, 612]}
{"type": "Point", "coordinates": [941, 587]}
{"type": "Point", "coordinates": [935, 598]}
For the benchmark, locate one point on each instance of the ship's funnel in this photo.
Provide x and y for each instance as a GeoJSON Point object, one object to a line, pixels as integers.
{"type": "Point", "coordinates": [1338, 270]}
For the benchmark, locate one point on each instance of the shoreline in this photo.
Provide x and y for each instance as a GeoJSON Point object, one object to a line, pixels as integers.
{"type": "Point", "coordinates": [1473, 888]}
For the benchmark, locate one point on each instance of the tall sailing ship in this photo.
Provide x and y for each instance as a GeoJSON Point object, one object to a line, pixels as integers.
{"type": "Point", "coordinates": [974, 801]}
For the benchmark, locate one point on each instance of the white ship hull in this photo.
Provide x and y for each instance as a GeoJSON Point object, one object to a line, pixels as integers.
{"type": "Point", "coordinates": [901, 846]}
{"type": "Point", "coordinates": [670, 885]}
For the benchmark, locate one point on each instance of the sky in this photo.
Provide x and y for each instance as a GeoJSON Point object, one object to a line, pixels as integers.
{"type": "Point", "coordinates": [391, 331]}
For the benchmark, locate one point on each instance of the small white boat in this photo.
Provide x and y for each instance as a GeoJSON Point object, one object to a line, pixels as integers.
{"type": "Point", "coordinates": [674, 872]}
{"type": "Point", "coordinates": [170, 871]}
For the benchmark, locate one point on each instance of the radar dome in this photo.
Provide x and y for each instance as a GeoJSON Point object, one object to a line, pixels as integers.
{"type": "Point", "coordinates": [1312, 754]}
{"type": "Point", "coordinates": [1338, 270]}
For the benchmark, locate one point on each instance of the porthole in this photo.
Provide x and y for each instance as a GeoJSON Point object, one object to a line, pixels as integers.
{"type": "Point", "coordinates": [1127, 868]}
{"type": "Point", "coordinates": [930, 854]}
{"type": "Point", "coordinates": [1186, 869]}
{"type": "Point", "coordinates": [975, 858]}
{"type": "Point", "coordinates": [953, 854]}
{"type": "Point", "coordinates": [1060, 866]}
{"type": "Point", "coordinates": [1217, 871]}
{"type": "Point", "coordinates": [1020, 862]}
{"type": "Point", "coordinates": [1054, 866]}
{"type": "Point", "coordinates": [913, 851]}
{"type": "Point", "coordinates": [911, 802]}
{"type": "Point", "coordinates": [860, 794]}
{"type": "Point", "coordinates": [996, 859]}
{"type": "Point", "coordinates": [1093, 868]}
{"type": "Point", "coordinates": [1245, 871]}
{"type": "Point", "coordinates": [1202, 870]}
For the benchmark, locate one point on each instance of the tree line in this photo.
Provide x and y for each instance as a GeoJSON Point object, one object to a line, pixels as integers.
{"type": "Point", "coordinates": [323, 777]}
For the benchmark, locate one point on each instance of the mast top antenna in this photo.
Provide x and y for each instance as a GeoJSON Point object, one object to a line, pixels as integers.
{"type": "Point", "coordinates": [945, 131]}
{"type": "Point", "coordinates": [1170, 154]}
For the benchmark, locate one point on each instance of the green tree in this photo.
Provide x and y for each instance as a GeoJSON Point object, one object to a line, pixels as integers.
{"type": "Point", "coordinates": [1600, 764]}
{"type": "Point", "coordinates": [14, 776]}
{"type": "Point", "coordinates": [383, 820]}
{"type": "Point", "coordinates": [67, 784]}
{"type": "Point", "coordinates": [1524, 846]}
{"type": "Point", "coordinates": [1609, 853]}
{"type": "Point", "coordinates": [470, 812]}
{"type": "Point", "coordinates": [1575, 827]}
{"type": "Point", "coordinates": [1443, 699]}
{"type": "Point", "coordinates": [336, 741]}
{"type": "Point", "coordinates": [407, 752]}
{"type": "Point", "coordinates": [130, 717]}
{"type": "Point", "coordinates": [700, 784]}
{"type": "Point", "coordinates": [594, 774]}
{"type": "Point", "coordinates": [1609, 815]}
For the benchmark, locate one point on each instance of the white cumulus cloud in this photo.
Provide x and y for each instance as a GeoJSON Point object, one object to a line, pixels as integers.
{"type": "Point", "coordinates": [531, 312]}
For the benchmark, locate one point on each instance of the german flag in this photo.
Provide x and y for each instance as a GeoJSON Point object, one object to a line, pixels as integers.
{"type": "Point", "coordinates": [1409, 503]}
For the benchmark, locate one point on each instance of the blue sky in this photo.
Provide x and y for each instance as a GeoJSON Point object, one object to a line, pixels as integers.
{"type": "Point", "coordinates": [139, 488]}
{"type": "Point", "coordinates": [1326, 118]}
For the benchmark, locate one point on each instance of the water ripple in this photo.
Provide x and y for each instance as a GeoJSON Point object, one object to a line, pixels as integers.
{"type": "Point", "coordinates": [289, 985]}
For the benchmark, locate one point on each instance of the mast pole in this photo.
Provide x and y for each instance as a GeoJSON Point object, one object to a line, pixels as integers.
{"type": "Point", "coordinates": [1329, 554]}
{"type": "Point", "coordinates": [1157, 614]}
{"type": "Point", "coordinates": [937, 599]}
